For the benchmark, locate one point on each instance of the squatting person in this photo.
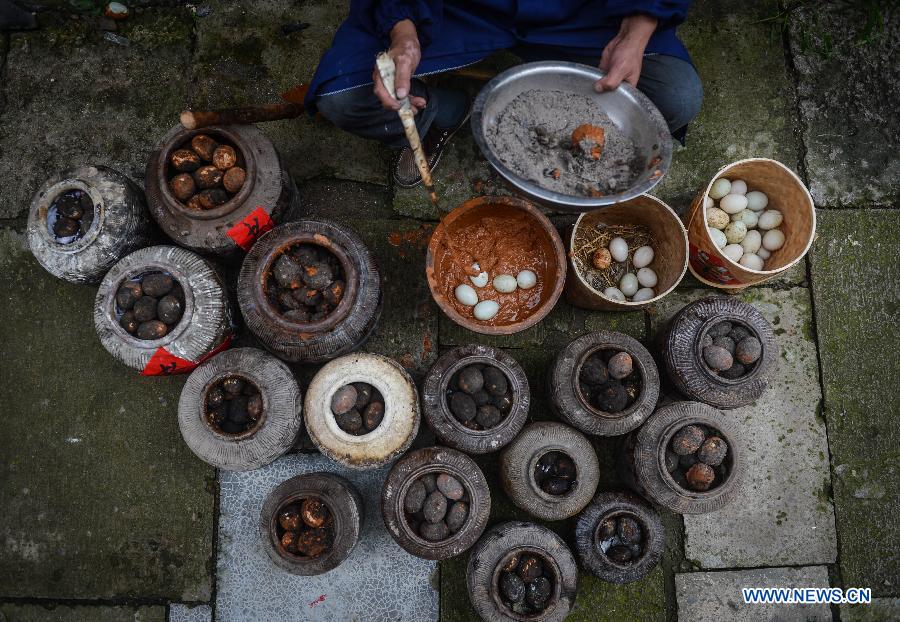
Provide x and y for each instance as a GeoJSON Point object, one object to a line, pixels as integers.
{"type": "Point", "coordinates": [631, 41]}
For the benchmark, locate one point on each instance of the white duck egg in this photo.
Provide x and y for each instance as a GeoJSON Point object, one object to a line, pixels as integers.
{"type": "Point", "coordinates": [716, 218]}
{"type": "Point", "coordinates": [733, 203]}
{"type": "Point", "coordinates": [486, 309]}
{"type": "Point", "coordinates": [526, 279]}
{"type": "Point", "coordinates": [466, 295]}
{"type": "Point", "coordinates": [752, 241]}
{"type": "Point", "coordinates": [505, 283]}
{"type": "Point", "coordinates": [747, 216]}
{"type": "Point", "coordinates": [707, 202]}
{"type": "Point", "coordinates": [770, 219]}
{"type": "Point", "coordinates": [718, 237]}
{"type": "Point", "coordinates": [735, 232]}
{"type": "Point", "coordinates": [646, 277]}
{"type": "Point", "coordinates": [739, 186]}
{"type": "Point", "coordinates": [734, 252]}
{"type": "Point", "coordinates": [614, 293]}
{"type": "Point", "coordinates": [757, 200]}
{"type": "Point", "coordinates": [643, 257]}
{"type": "Point", "coordinates": [720, 188]}
{"type": "Point", "coordinates": [645, 293]}
{"type": "Point", "coordinates": [764, 253]}
{"type": "Point", "coordinates": [480, 280]}
{"type": "Point", "coordinates": [618, 248]}
{"type": "Point", "coordinates": [751, 261]}
{"type": "Point", "coordinates": [773, 240]}
{"type": "Point", "coordinates": [629, 284]}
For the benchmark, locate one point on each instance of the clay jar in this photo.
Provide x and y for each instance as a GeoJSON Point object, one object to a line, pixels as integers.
{"type": "Point", "coordinates": [205, 325]}
{"type": "Point", "coordinates": [393, 435]}
{"type": "Point", "coordinates": [269, 433]}
{"type": "Point", "coordinates": [111, 222]}
{"type": "Point", "coordinates": [571, 404]}
{"type": "Point", "coordinates": [642, 461]}
{"type": "Point", "coordinates": [344, 505]}
{"type": "Point", "coordinates": [525, 471]}
{"type": "Point", "coordinates": [435, 461]}
{"type": "Point", "coordinates": [616, 523]}
{"type": "Point", "coordinates": [448, 427]}
{"type": "Point", "coordinates": [681, 347]}
{"type": "Point", "coordinates": [499, 548]}
{"type": "Point", "coordinates": [343, 329]}
{"type": "Point", "coordinates": [235, 224]}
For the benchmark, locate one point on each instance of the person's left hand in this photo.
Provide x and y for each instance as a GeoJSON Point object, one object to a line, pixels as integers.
{"type": "Point", "coordinates": [623, 56]}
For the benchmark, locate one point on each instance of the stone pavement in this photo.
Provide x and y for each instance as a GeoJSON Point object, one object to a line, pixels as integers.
{"type": "Point", "coordinates": [105, 514]}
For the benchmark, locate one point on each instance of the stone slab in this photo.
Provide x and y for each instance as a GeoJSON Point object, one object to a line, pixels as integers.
{"type": "Point", "coordinates": [80, 98]}
{"type": "Point", "coordinates": [190, 613]}
{"type": "Point", "coordinates": [845, 55]}
{"type": "Point", "coordinates": [81, 613]}
{"type": "Point", "coordinates": [879, 610]}
{"type": "Point", "coordinates": [783, 515]}
{"type": "Point", "coordinates": [714, 596]}
{"type": "Point", "coordinates": [855, 280]}
{"type": "Point", "coordinates": [101, 498]}
{"type": "Point", "coordinates": [242, 57]}
{"type": "Point", "coordinates": [378, 582]}
{"type": "Point", "coordinates": [749, 106]}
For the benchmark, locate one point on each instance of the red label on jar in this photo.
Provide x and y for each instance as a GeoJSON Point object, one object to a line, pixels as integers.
{"type": "Point", "coordinates": [164, 363]}
{"type": "Point", "coordinates": [710, 267]}
{"type": "Point", "coordinates": [248, 230]}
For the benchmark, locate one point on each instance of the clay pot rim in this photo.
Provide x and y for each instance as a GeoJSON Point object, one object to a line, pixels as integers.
{"type": "Point", "coordinates": [185, 135]}
{"type": "Point", "coordinates": [548, 561]}
{"type": "Point", "coordinates": [264, 269]}
{"type": "Point", "coordinates": [641, 303]}
{"type": "Point", "coordinates": [50, 195]}
{"type": "Point", "coordinates": [444, 405]}
{"type": "Point", "coordinates": [413, 476]}
{"type": "Point", "coordinates": [709, 373]}
{"type": "Point", "coordinates": [248, 433]}
{"type": "Point", "coordinates": [559, 256]}
{"type": "Point", "coordinates": [532, 481]}
{"type": "Point", "coordinates": [638, 401]}
{"type": "Point", "coordinates": [730, 461]}
{"type": "Point", "coordinates": [645, 529]}
{"type": "Point", "coordinates": [151, 267]}
{"type": "Point", "coordinates": [768, 273]}
{"type": "Point", "coordinates": [294, 497]}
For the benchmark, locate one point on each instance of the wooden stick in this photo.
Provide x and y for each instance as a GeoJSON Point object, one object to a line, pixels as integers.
{"type": "Point", "coordinates": [192, 119]}
{"type": "Point", "coordinates": [387, 70]}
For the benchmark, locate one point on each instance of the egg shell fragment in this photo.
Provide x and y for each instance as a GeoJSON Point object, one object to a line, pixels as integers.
{"type": "Point", "coordinates": [733, 203]}
{"type": "Point", "coordinates": [618, 248]}
{"type": "Point", "coordinates": [643, 257]}
{"type": "Point", "coordinates": [505, 283]}
{"type": "Point", "coordinates": [526, 279]}
{"type": "Point", "coordinates": [720, 188]}
{"type": "Point", "coordinates": [466, 295]}
{"type": "Point", "coordinates": [486, 310]}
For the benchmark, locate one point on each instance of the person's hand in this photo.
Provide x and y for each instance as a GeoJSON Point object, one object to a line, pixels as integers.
{"type": "Point", "coordinates": [406, 54]}
{"type": "Point", "coordinates": [623, 56]}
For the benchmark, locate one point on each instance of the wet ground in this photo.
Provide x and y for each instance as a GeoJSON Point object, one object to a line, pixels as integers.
{"type": "Point", "coordinates": [106, 515]}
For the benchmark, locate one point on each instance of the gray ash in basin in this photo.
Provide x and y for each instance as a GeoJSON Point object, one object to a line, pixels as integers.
{"type": "Point", "coordinates": [534, 139]}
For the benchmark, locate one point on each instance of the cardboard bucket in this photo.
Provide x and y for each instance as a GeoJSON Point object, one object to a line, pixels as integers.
{"type": "Point", "coordinates": [786, 193]}
{"type": "Point", "coordinates": [670, 247]}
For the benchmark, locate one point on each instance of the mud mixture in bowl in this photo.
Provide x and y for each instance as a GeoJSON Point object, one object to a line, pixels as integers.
{"type": "Point", "coordinates": [564, 142]}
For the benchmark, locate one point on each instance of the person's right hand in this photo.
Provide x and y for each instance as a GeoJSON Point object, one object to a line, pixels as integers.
{"type": "Point", "coordinates": [406, 54]}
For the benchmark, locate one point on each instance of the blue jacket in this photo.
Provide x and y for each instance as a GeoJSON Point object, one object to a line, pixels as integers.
{"type": "Point", "coordinates": [455, 33]}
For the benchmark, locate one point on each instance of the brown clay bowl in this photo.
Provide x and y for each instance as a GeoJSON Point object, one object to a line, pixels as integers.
{"type": "Point", "coordinates": [445, 271]}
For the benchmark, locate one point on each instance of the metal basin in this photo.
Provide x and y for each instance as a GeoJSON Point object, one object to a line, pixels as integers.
{"type": "Point", "coordinates": [630, 110]}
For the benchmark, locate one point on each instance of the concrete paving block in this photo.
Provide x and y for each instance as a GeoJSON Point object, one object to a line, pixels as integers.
{"type": "Point", "coordinates": [81, 613]}
{"type": "Point", "coordinates": [879, 610]}
{"type": "Point", "coordinates": [190, 613]}
{"type": "Point", "coordinates": [243, 57]}
{"type": "Point", "coordinates": [749, 100]}
{"type": "Point", "coordinates": [716, 596]}
{"type": "Point", "coordinates": [101, 499]}
{"type": "Point", "coordinates": [378, 582]}
{"type": "Point", "coordinates": [80, 98]}
{"type": "Point", "coordinates": [856, 288]}
{"type": "Point", "coordinates": [845, 55]}
{"type": "Point", "coordinates": [784, 515]}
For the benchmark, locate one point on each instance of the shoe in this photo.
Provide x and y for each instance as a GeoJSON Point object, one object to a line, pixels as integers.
{"type": "Point", "coordinates": [406, 173]}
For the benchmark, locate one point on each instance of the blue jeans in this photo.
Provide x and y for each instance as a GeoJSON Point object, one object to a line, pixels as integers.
{"type": "Point", "coordinates": [670, 83]}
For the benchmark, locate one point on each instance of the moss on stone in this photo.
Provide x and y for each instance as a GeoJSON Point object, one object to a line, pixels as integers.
{"type": "Point", "coordinates": [82, 613]}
